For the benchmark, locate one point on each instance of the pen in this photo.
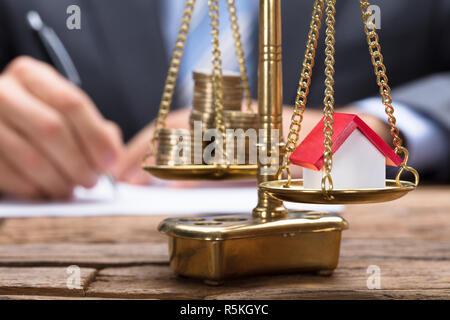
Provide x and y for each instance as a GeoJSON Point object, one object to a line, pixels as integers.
{"type": "Point", "coordinates": [55, 49]}
{"type": "Point", "coordinates": [59, 57]}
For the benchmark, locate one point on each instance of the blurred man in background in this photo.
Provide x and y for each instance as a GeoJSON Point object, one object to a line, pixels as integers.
{"type": "Point", "coordinates": [55, 135]}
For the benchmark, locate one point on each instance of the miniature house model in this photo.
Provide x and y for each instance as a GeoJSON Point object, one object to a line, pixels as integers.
{"type": "Point", "coordinates": [360, 156]}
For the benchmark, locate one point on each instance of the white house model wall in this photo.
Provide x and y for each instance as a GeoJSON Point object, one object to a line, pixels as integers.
{"type": "Point", "coordinates": [357, 164]}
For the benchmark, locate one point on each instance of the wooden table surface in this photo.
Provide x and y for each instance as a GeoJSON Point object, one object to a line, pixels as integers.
{"type": "Point", "coordinates": [125, 257]}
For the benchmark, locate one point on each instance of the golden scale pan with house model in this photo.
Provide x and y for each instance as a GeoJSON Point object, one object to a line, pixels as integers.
{"type": "Point", "coordinates": [273, 239]}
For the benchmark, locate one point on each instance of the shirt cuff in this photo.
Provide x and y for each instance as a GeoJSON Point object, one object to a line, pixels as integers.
{"type": "Point", "coordinates": [427, 143]}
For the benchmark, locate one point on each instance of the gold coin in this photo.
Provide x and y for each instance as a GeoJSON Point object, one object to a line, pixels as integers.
{"type": "Point", "coordinates": [205, 96]}
{"type": "Point", "coordinates": [209, 88]}
{"type": "Point", "coordinates": [210, 80]}
{"type": "Point", "coordinates": [173, 131]}
{"type": "Point", "coordinates": [173, 150]}
{"type": "Point", "coordinates": [176, 158]}
{"type": "Point", "coordinates": [210, 105]}
{"type": "Point", "coordinates": [207, 74]}
{"type": "Point", "coordinates": [173, 140]}
{"type": "Point", "coordinates": [241, 114]}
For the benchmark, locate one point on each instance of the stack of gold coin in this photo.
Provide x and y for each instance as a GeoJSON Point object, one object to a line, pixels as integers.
{"type": "Point", "coordinates": [233, 117]}
{"type": "Point", "coordinates": [238, 138]}
{"type": "Point", "coordinates": [203, 103]}
{"type": "Point", "coordinates": [197, 146]}
{"type": "Point", "coordinates": [240, 120]}
{"type": "Point", "coordinates": [174, 147]}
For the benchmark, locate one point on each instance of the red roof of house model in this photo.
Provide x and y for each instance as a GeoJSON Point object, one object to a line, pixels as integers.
{"type": "Point", "coordinates": [309, 153]}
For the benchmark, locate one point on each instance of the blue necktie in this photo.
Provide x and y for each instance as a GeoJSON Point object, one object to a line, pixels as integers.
{"type": "Point", "coordinates": [197, 54]}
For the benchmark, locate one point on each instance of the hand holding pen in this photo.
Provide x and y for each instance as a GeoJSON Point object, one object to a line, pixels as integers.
{"type": "Point", "coordinates": [52, 136]}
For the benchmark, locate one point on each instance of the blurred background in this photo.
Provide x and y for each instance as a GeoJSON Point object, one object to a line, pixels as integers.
{"type": "Point", "coordinates": [122, 50]}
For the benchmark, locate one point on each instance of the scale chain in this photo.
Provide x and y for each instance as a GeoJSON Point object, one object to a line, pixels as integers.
{"type": "Point", "coordinates": [303, 88]}
{"type": "Point", "coordinates": [217, 72]}
{"type": "Point", "coordinates": [172, 75]}
{"type": "Point", "coordinates": [328, 111]}
{"type": "Point", "coordinates": [175, 62]}
{"type": "Point", "coordinates": [304, 83]}
{"type": "Point", "coordinates": [385, 90]}
{"type": "Point", "coordinates": [240, 53]}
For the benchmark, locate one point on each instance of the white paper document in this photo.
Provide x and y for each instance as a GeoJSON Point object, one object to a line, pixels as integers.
{"type": "Point", "coordinates": [150, 200]}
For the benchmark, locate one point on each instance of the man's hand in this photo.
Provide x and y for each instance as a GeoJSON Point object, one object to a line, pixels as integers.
{"type": "Point", "coordinates": [52, 137]}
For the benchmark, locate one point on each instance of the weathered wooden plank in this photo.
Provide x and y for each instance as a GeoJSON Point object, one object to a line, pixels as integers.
{"type": "Point", "coordinates": [398, 249]}
{"type": "Point", "coordinates": [42, 281]}
{"type": "Point", "coordinates": [383, 220]}
{"type": "Point", "coordinates": [152, 281]}
{"type": "Point", "coordinates": [107, 229]}
{"type": "Point", "coordinates": [34, 297]}
{"type": "Point", "coordinates": [85, 255]}
{"type": "Point", "coordinates": [407, 239]}
{"type": "Point", "coordinates": [348, 281]}
{"type": "Point", "coordinates": [423, 214]}
{"type": "Point", "coordinates": [133, 254]}
{"type": "Point", "coordinates": [421, 197]}
{"type": "Point", "coordinates": [275, 294]}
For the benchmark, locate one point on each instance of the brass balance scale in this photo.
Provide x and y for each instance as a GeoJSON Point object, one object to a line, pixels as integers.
{"type": "Point", "coordinates": [272, 239]}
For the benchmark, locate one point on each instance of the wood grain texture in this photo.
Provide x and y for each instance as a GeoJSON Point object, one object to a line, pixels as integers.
{"type": "Point", "coordinates": [135, 254]}
{"type": "Point", "coordinates": [108, 229]}
{"type": "Point", "coordinates": [396, 249]}
{"type": "Point", "coordinates": [84, 255]}
{"type": "Point", "coordinates": [423, 214]}
{"type": "Point", "coordinates": [25, 297]}
{"type": "Point", "coordinates": [399, 279]}
{"type": "Point", "coordinates": [125, 257]}
{"type": "Point", "coordinates": [42, 281]}
{"type": "Point", "coordinates": [346, 294]}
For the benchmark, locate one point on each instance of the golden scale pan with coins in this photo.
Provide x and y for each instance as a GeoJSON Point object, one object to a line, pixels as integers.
{"type": "Point", "coordinates": [272, 239]}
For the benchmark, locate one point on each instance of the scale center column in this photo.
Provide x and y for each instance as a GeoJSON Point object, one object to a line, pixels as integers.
{"type": "Point", "coordinates": [270, 104]}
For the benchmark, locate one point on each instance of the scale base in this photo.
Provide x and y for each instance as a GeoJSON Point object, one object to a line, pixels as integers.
{"type": "Point", "coordinates": [216, 248]}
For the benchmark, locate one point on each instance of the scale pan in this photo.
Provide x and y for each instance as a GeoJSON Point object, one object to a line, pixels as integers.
{"type": "Point", "coordinates": [296, 193]}
{"type": "Point", "coordinates": [203, 172]}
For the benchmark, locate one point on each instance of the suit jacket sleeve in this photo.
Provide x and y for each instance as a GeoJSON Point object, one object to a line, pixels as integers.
{"type": "Point", "coordinates": [5, 41]}
{"type": "Point", "coordinates": [431, 95]}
